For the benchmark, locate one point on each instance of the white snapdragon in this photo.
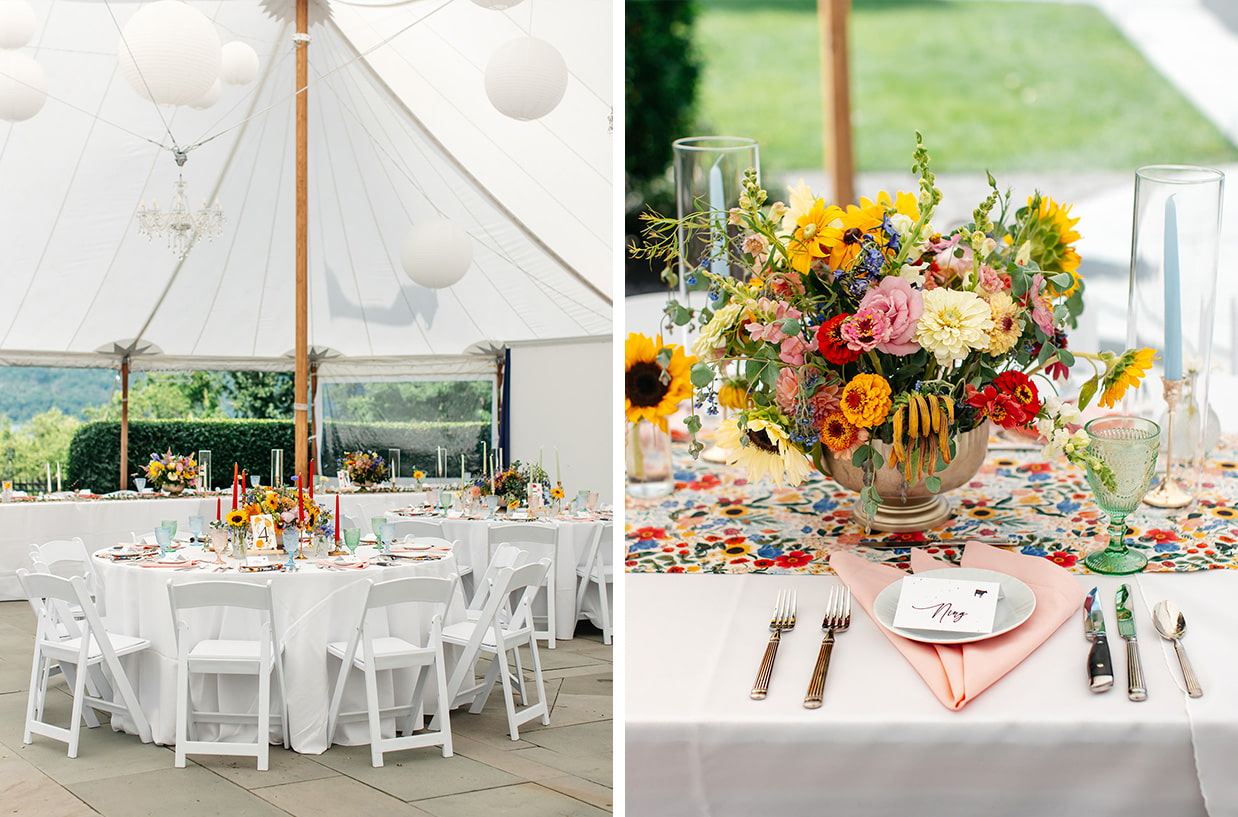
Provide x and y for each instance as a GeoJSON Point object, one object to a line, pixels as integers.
{"type": "Point", "coordinates": [901, 223]}
{"type": "Point", "coordinates": [912, 275]}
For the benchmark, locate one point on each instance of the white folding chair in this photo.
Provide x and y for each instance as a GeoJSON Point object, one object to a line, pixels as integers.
{"type": "Point", "coordinates": [540, 542]}
{"type": "Point", "coordinates": [218, 656]}
{"type": "Point", "coordinates": [598, 567]}
{"type": "Point", "coordinates": [67, 558]}
{"type": "Point", "coordinates": [82, 648]}
{"type": "Point", "coordinates": [378, 653]}
{"type": "Point", "coordinates": [490, 635]}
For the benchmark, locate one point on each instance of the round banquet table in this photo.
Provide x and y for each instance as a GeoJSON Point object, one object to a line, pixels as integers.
{"type": "Point", "coordinates": [574, 536]}
{"type": "Point", "coordinates": [313, 607]}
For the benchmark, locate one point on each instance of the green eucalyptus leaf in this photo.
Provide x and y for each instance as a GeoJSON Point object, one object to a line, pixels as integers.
{"type": "Point", "coordinates": [702, 375]}
{"type": "Point", "coordinates": [1066, 357]}
{"type": "Point", "coordinates": [693, 422]}
{"type": "Point", "coordinates": [933, 483]}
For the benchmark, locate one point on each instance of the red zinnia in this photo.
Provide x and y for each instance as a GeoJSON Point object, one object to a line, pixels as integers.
{"type": "Point", "coordinates": [831, 344]}
{"type": "Point", "coordinates": [998, 406]}
{"type": "Point", "coordinates": [1022, 389]}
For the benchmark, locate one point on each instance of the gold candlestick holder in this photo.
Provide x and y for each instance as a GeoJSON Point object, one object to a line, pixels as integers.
{"type": "Point", "coordinates": [1169, 494]}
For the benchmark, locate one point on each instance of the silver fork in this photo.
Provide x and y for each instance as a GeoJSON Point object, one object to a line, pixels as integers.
{"type": "Point", "coordinates": [783, 619]}
{"type": "Point", "coordinates": [837, 618]}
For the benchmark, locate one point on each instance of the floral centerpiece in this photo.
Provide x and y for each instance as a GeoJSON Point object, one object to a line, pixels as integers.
{"type": "Point", "coordinates": [863, 337]}
{"type": "Point", "coordinates": [512, 484]}
{"type": "Point", "coordinates": [171, 472]}
{"type": "Point", "coordinates": [282, 506]}
{"type": "Point", "coordinates": [364, 468]}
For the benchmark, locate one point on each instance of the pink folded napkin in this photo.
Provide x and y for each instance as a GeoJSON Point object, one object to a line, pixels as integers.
{"type": "Point", "coordinates": [957, 673]}
{"type": "Point", "coordinates": [408, 549]}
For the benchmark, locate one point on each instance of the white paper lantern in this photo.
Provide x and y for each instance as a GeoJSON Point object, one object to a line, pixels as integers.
{"type": "Point", "coordinates": [238, 63]}
{"type": "Point", "coordinates": [436, 253]}
{"type": "Point", "coordinates": [497, 5]}
{"type": "Point", "coordinates": [23, 86]}
{"type": "Point", "coordinates": [17, 22]}
{"type": "Point", "coordinates": [526, 78]}
{"type": "Point", "coordinates": [169, 53]}
{"type": "Point", "coordinates": [208, 99]}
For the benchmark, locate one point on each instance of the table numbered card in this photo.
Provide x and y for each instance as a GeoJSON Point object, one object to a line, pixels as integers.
{"type": "Point", "coordinates": [947, 605]}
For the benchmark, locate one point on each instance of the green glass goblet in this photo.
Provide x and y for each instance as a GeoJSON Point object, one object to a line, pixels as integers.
{"type": "Point", "coordinates": [1128, 447]}
{"type": "Point", "coordinates": [352, 538]}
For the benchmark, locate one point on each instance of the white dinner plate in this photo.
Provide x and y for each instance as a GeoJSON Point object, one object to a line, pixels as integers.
{"type": "Point", "coordinates": [1014, 606]}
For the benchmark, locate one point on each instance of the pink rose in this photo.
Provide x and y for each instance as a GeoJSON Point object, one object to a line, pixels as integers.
{"type": "Point", "coordinates": [901, 305]}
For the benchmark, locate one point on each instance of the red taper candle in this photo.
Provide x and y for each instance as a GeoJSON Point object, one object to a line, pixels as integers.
{"type": "Point", "coordinates": [337, 517]}
{"type": "Point", "coordinates": [219, 508]}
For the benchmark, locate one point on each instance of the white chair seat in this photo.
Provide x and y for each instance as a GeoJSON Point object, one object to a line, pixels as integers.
{"type": "Point", "coordinates": [246, 652]}
{"type": "Point", "coordinates": [460, 633]}
{"type": "Point", "coordinates": [69, 648]}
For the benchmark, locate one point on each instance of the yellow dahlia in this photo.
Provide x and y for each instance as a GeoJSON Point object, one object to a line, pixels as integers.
{"type": "Point", "coordinates": [763, 448]}
{"type": "Point", "coordinates": [1007, 325]}
{"type": "Point", "coordinates": [954, 322]}
{"type": "Point", "coordinates": [866, 400]}
{"type": "Point", "coordinates": [1125, 373]}
{"type": "Point", "coordinates": [652, 392]}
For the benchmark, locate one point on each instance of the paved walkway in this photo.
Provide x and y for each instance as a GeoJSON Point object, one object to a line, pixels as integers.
{"type": "Point", "coordinates": [560, 770]}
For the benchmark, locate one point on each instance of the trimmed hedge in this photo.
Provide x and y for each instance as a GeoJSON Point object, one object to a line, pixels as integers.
{"type": "Point", "coordinates": [95, 449]}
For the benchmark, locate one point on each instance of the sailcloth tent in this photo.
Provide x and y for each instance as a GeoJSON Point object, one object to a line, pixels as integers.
{"type": "Point", "coordinates": [401, 133]}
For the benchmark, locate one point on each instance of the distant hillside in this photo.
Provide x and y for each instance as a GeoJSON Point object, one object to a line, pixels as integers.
{"type": "Point", "coordinates": [26, 390]}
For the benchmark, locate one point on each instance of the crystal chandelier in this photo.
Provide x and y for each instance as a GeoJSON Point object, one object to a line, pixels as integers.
{"type": "Point", "coordinates": [183, 226]}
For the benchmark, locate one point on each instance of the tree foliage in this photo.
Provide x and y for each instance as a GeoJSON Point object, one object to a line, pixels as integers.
{"type": "Point", "coordinates": [27, 449]}
{"type": "Point", "coordinates": [261, 395]}
{"type": "Point", "coordinates": [661, 70]}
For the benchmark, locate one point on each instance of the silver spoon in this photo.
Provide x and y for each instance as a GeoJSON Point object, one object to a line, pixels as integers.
{"type": "Point", "coordinates": [1171, 624]}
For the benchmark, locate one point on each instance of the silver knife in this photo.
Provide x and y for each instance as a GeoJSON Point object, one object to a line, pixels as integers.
{"type": "Point", "coordinates": [1135, 689]}
{"type": "Point", "coordinates": [1100, 668]}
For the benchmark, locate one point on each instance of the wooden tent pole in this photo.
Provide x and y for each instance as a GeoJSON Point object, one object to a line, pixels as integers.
{"type": "Point", "coordinates": [836, 99]}
{"type": "Point", "coordinates": [301, 381]}
{"type": "Point", "coordinates": [124, 422]}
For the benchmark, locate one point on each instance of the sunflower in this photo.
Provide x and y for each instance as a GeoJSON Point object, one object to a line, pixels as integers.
{"type": "Point", "coordinates": [763, 448]}
{"type": "Point", "coordinates": [557, 492]}
{"type": "Point", "coordinates": [851, 226]}
{"type": "Point", "coordinates": [651, 391]}
{"type": "Point", "coordinates": [236, 518]}
{"type": "Point", "coordinates": [1125, 372]}
{"type": "Point", "coordinates": [1052, 236]}
{"type": "Point", "coordinates": [419, 475]}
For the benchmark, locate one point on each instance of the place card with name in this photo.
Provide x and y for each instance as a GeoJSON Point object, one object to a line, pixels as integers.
{"type": "Point", "coordinates": [947, 605]}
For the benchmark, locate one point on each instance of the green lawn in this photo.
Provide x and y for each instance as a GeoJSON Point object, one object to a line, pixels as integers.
{"type": "Point", "coordinates": [1000, 86]}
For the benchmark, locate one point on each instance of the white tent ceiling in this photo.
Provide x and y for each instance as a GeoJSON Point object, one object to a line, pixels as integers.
{"type": "Point", "coordinates": [400, 131]}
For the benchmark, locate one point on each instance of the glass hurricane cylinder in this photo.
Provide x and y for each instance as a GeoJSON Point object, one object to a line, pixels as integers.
{"type": "Point", "coordinates": [709, 176]}
{"type": "Point", "coordinates": [649, 460]}
{"type": "Point", "coordinates": [204, 469]}
{"type": "Point", "coordinates": [1175, 246]}
{"type": "Point", "coordinates": [277, 467]}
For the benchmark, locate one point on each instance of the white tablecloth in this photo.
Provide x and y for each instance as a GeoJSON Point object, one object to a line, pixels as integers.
{"type": "Point", "coordinates": [312, 607]}
{"type": "Point", "coordinates": [103, 522]}
{"type": "Point", "coordinates": [1036, 743]}
{"type": "Point", "coordinates": [571, 547]}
